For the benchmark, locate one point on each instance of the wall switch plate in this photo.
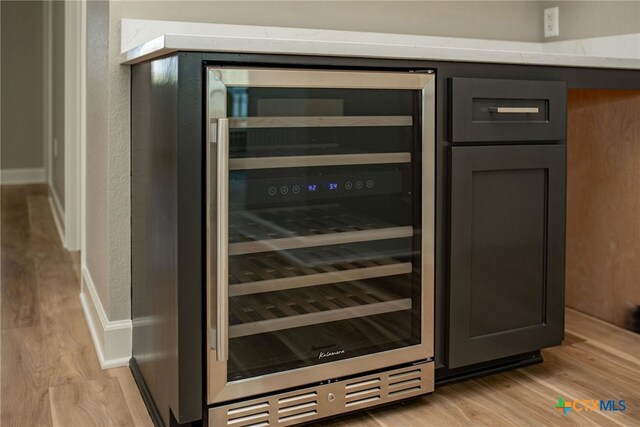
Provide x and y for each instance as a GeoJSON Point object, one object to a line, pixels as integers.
{"type": "Point", "coordinates": [551, 22]}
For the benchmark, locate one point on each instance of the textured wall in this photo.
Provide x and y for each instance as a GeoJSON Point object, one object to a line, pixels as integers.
{"type": "Point", "coordinates": [97, 208]}
{"type": "Point", "coordinates": [584, 19]}
{"type": "Point", "coordinates": [22, 83]}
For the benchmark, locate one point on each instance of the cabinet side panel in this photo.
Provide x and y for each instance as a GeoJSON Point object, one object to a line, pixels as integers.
{"type": "Point", "coordinates": [154, 269]}
{"type": "Point", "coordinates": [191, 237]}
{"type": "Point", "coordinates": [603, 204]}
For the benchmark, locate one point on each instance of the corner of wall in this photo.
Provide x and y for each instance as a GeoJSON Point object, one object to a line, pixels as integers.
{"type": "Point", "coordinates": [111, 339]}
{"type": "Point", "coordinates": [57, 211]}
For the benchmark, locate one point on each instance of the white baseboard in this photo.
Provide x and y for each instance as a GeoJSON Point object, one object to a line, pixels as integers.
{"type": "Point", "coordinates": [112, 339]}
{"type": "Point", "coordinates": [22, 176]}
{"type": "Point", "coordinates": [58, 212]}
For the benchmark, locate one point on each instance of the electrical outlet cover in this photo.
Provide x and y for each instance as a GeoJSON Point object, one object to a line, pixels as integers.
{"type": "Point", "coordinates": [551, 22]}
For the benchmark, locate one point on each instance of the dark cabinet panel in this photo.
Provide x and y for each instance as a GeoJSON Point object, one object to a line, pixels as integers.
{"type": "Point", "coordinates": [507, 251]}
{"type": "Point", "coordinates": [491, 110]}
{"type": "Point", "coordinates": [166, 237]}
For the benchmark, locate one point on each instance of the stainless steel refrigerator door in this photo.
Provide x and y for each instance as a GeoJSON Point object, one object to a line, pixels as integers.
{"type": "Point", "coordinates": [219, 166]}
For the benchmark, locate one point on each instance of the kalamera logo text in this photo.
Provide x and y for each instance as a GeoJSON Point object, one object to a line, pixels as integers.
{"type": "Point", "coordinates": [590, 405]}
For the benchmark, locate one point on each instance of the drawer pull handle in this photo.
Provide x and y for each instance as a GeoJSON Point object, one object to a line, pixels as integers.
{"type": "Point", "coordinates": [518, 110]}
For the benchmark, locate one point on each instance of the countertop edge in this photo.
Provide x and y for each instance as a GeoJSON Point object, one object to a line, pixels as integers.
{"type": "Point", "coordinates": [170, 43]}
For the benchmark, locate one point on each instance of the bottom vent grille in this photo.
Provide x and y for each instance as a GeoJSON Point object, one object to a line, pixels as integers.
{"type": "Point", "coordinates": [362, 401]}
{"type": "Point", "coordinates": [394, 385]}
{"type": "Point", "coordinates": [413, 390]}
{"type": "Point", "coordinates": [254, 415]}
{"type": "Point", "coordinates": [326, 400]}
{"type": "Point", "coordinates": [245, 421]}
{"type": "Point", "coordinates": [297, 407]}
{"type": "Point", "coordinates": [363, 392]}
{"type": "Point", "coordinates": [405, 382]}
{"type": "Point", "coordinates": [248, 408]}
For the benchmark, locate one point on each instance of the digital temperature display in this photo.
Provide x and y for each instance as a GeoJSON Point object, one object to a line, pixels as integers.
{"type": "Point", "coordinates": [321, 187]}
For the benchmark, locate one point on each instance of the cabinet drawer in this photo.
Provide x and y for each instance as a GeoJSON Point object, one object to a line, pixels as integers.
{"type": "Point", "coordinates": [507, 110]}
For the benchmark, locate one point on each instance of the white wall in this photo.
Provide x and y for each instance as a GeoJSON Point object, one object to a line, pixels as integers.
{"type": "Point", "coordinates": [22, 83]}
{"type": "Point", "coordinates": [503, 20]}
{"type": "Point", "coordinates": [57, 102]}
{"type": "Point", "coordinates": [584, 19]}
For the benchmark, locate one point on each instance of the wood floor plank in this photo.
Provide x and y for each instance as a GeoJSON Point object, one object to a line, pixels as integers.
{"type": "Point", "coordinates": [571, 339]}
{"type": "Point", "coordinates": [609, 337]}
{"type": "Point", "coordinates": [58, 350]}
{"type": "Point", "coordinates": [452, 405]}
{"type": "Point", "coordinates": [360, 419]}
{"type": "Point", "coordinates": [491, 397]}
{"type": "Point", "coordinates": [25, 378]}
{"type": "Point", "coordinates": [429, 410]}
{"type": "Point", "coordinates": [575, 374]}
{"type": "Point", "coordinates": [593, 348]}
{"type": "Point", "coordinates": [72, 356]}
{"type": "Point", "coordinates": [136, 405]}
{"type": "Point", "coordinates": [14, 219]}
{"type": "Point", "coordinates": [18, 287]}
{"type": "Point", "coordinates": [36, 189]}
{"type": "Point", "coordinates": [19, 308]}
{"type": "Point", "coordinates": [546, 390]}
{"type": "Point", "coordinates": [44, 242]}
{"type": "Point", "coordinates": [597, 373]}
{"type": "Point", "coordinates": [534, 400]}
{"type": "Point", "coordinates": [99, 403]}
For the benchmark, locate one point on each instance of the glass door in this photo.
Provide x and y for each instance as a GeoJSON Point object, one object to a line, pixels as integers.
{"type": "Point", "coordinates": [318, 253]}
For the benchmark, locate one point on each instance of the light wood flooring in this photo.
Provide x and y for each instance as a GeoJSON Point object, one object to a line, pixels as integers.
{"type": "Point", "coordinates": [51, 376]}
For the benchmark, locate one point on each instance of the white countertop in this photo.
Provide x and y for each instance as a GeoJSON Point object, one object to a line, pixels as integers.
{"type": "Point", "coordinates": [143, 39]}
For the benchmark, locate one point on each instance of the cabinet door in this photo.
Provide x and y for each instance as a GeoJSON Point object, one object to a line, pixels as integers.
{"type": "Point", "coordinates": [506, 294]}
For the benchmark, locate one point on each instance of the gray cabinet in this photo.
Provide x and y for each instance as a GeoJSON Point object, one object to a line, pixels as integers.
{"type": "Point", "coordinates": [506, 264]}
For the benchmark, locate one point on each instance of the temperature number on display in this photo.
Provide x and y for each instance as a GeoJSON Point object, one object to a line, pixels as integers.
{"type": "Point", "coordinates": [333, 186]}
{"type": "Point", "coordinates": [312, 187]}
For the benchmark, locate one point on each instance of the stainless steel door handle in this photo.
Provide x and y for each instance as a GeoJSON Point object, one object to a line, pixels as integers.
{"type": "Point", "coordinates": [218, 235]}
{"type": "Point", "coordinates": [222, 343]}
{"type": "Point", "coordinates": [518, 110]}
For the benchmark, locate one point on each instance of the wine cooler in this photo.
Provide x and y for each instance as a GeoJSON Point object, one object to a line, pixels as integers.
{"type": "Point", "coordinates": [320, 242]}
